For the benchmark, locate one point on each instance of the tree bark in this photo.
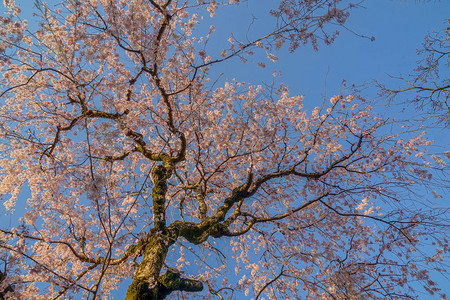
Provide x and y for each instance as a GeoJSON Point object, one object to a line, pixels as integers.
{"type": "Point", "coordinates": [147, 283]}
{"type": "Point", "coordinates": [7, 289]}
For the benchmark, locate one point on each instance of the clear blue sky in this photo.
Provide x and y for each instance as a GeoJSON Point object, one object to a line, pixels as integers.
{"type": "Point", "coordinates": [398, 26]}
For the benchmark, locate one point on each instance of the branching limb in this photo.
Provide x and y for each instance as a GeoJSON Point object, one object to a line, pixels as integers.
{"type": "Point", "coordinates": [121, 156]}
{"type": "Point", "coordinates": [79, 255]}
{"type": "Point", "coordinates": [255, 219]}
{"type": "Point", "coordinates": [216, 225]}
{"type": "Point", "coordinates": [269, 283]}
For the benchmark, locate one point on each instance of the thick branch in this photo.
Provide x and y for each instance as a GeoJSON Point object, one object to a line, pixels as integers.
{"type": "Point", "coordinates": [162, 287]}
{"type": "Point", "coordinates": [172, 281]}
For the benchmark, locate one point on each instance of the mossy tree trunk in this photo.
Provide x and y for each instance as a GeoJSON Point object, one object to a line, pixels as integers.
{"type": "Point", "coordinates": [147, 282]}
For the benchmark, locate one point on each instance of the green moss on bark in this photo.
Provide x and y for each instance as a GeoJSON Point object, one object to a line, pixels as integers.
{"type": "Point", "coordinates": [159, 177]}
{"type": "Point", "coordinates": [166, 284]}
{"type": "Point", "coordinates": [139, 290]}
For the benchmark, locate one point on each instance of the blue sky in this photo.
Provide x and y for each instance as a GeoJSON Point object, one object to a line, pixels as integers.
{"type": "Point", "coordinates": [399, 28]}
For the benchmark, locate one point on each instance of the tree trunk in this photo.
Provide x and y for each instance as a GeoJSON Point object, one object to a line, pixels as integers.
{"type": "Point", "coordinates": [147, 283]}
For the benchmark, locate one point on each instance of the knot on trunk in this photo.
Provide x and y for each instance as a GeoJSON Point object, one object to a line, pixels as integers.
{"type": "Point", "coordinates": [165, 284]}
{"type": "Point", "coordinates": [172, 281]}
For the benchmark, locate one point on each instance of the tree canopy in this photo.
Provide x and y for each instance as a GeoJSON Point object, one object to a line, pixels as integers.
{"type": "Point", "coordinates": [138, 163]}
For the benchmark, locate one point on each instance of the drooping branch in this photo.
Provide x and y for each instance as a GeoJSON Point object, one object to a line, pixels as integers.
{"type": "Point", "coordinates": [79, 276]}
{"type": "Point", "coordinates": [82, 256]}
{"type": "Point", "coordinates": [45, 267]}
{"type": "Point", "coordinates": [269, 283]}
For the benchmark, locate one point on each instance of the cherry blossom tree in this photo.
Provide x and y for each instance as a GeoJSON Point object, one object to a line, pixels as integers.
{"type": "Point", "coordinates": [131, 160]}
